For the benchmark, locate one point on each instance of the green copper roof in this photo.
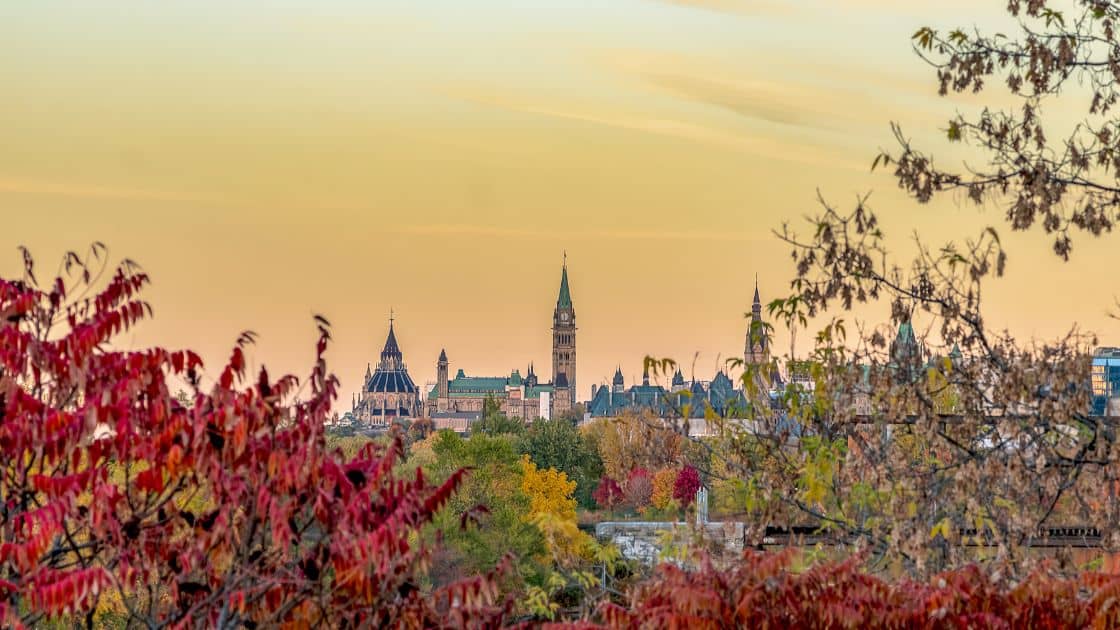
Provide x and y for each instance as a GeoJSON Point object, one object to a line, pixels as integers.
{"type": "Point", "coordinates": [535, 391]}
{"type": "Point", "coordinates": [471, 387]}
{"type": "Point", "coordinates": [478, 383]}
{"type": "Point", "coordinates": [565, 299]}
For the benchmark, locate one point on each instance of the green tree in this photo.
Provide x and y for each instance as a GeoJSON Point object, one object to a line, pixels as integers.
{"type": "Point", "coordinates": [557, 443]}
{"type": "Point", "coordinates": [487, 518]}
{"type": "Point", "coordinates": [494, 422]}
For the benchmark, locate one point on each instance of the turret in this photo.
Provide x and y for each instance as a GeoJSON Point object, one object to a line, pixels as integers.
{"type": "Point", "coordinates": [678, 381]}
{"type": "Point", "coordinates": [756, 349]}
{"type": "Point", "coordinates": [441, 382]}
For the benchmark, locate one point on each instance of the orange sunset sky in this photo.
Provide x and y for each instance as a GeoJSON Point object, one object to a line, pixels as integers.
{"type": "Point", "coordinates": [265, 161]}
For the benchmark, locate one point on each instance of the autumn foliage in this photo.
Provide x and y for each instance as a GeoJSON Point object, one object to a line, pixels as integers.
{"type": "Point", "coordinates": [663, 484]}
{"type": "Point", "coordinates": [686, 485]}
{"type": "Point", "coordinates": [639, 488]}
{"type": "Point", "coordinates": [609, 494]}
{"type": "Point", "coordinates": [223, 510]}
{"type": "Point", "coordinates": [762, 591]}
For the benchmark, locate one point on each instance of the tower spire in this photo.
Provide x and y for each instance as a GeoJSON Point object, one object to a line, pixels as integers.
{"type": "Point", "coordinates": [564, 344]}
{"type": "Point", "coordinates": [756, 304]}
{"type": "Point", "coordinates": [564, 300]}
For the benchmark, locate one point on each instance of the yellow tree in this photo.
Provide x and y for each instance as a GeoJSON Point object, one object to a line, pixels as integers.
{"type": "Point", "coordinates": [663, 482]}
{"type": "Point", "coordinates": [549, 491]}
{"type": "Point", "coordinates": [553, 511]}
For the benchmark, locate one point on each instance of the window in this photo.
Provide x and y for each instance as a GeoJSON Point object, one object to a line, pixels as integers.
{"type": "Point", "coordinates": [1100, 384]}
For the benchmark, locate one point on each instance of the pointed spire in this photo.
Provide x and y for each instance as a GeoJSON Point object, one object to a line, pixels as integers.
{"type": "Point", "coordinates": [756, 304]}
{"type": "Point", "coordinates": [564, 300]}
{"type": "Point", "coordinates": [443, 355]}
{"type": "Point", "coordinates": [645, 373]}
{"type": "Point", "coordinates": [391, 347]}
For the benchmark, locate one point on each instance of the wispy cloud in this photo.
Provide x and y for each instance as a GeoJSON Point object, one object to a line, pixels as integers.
{"type": "Point", "coordinates": [797, 96]}
{"type": "Point", "coordinates": [751, 100]}
{"type": "Point", "coordinates": [754, 144]}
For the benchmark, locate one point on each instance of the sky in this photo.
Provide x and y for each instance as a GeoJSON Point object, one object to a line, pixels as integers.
{"type": "Point", "coordinates": [268, 161]}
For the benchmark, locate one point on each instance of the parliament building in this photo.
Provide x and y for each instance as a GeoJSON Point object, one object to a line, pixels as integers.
{"type": "Point", "coordinates": [388, 393]}
{"type": "Point", "coordinates": [455, 402]}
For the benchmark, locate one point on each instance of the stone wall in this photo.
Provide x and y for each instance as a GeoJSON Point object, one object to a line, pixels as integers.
{"type": "Point", "coordinates": [643, 541]}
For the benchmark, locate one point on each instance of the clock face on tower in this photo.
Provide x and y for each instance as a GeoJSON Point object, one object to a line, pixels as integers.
{"type": "Point", "coordinates": [563, 317]}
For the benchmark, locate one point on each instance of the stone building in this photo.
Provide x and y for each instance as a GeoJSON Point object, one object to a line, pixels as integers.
{"type": "Point", "coordinates": [720, 393]}
{"type": "Point", "coordinates": [455, 402]}
{"type": "Point", "coordinates": [464, 396]}
{"type": "Point", "coordinates": [388, 392]}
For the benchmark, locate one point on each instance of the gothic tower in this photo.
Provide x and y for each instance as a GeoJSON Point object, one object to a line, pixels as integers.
{"type": "Point", "coordinates": [564, 342]}
{"type": "Point", "coordinates": [442, 386]}
{"type": "Point", "coordinates": [756, 350]}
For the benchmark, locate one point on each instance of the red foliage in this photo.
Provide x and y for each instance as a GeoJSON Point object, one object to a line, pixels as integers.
{"type": "Point", "coordinates": [228, 510]}
{"type": "Point", "coordinates": [762, 592]}
{"type": "Point", "coordinates": [686, 486]}
{"type": "Point", "coordinates": [639, 488]}
{"type": "Point", "coordinates": [608, 495]}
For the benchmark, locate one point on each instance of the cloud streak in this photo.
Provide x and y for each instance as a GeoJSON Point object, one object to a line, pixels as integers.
{"type": "Point", "coordinates": [757, 145]}
{"type": "Point", "coordinates": [757, 101]}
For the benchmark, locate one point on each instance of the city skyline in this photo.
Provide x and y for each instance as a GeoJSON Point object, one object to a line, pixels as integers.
{"type": "Point", "coordinates": [527, 366]}
{"type": "Point", "coordinates": [439, 158]}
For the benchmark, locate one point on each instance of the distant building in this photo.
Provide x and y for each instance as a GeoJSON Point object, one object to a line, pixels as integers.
{"type": "Point", "coordinates": [756, 348]}
{"type": "Point", "coordinates": [455, 402]}
{"type": "Point", "coordinates": [1105, 382]}
{"type": "Point", "coordinates": [388, 393]}
{"type": "Point", "coordinates": [465, 395]}
{"type": "Point", "coordinates": [720, 394]}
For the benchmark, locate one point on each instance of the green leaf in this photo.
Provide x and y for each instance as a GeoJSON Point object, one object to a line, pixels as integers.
{"type": "Point", "coordinates": [954, 131]}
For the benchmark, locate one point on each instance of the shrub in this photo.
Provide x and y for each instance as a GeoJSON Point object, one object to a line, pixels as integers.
{"type": "Point", "coordinates": [639, 489]}
{"type": "Point", "coordinates": [686, 485]}
{"type": "Point", "coordinates": [225, 508]}
{"type": "Point", "coordinates": [663, 482]}
{"type": "Point", "coordinates": [608, 495]}
{"type": "Point", "coordinates": [761, 591]}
